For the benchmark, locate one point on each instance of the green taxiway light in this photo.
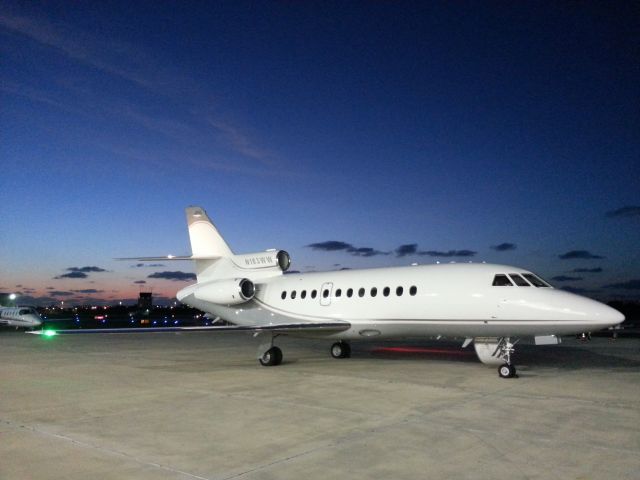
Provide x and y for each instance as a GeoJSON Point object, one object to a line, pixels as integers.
{"type": "Point", "coordinates": [49, 333]}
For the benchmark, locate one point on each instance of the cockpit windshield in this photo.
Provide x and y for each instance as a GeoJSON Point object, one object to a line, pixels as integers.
{"type": "Point", "coordinates": [535, 280]}
{"type": "Point", "coordinates": [501, 281]}
{"type": "Point", "coordinates": [504, 280]}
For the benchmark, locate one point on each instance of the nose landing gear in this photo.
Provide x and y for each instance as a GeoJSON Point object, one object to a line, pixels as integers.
{"type": "Point", "coordinates": [507, 371]}
{"type": "Point", "coordinates": [496, 351]}
{"type": "Point", "coordinates": [504, 351]}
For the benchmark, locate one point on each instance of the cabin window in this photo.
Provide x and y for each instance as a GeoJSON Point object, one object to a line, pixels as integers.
{"type": "Point", "coordinates": [293, 294]}
{"type": "Point", "coordinates": [284, 295]}
{"type": "Point", "coordinates": [535, 280]}
{"type": "Point", "coordinates": [314, 293]}
{"type": "Point", "coordinates": [386, 291]}
{"type": "Point", "coordinates": [399, 291]}
{"type": "Point", "coordinates": [518, 280]}
{"type": "Point", "coordinates": [339, 292]}
{"type": "Point", "coordinates": [501, 281]}
{"type": "Point", "coordinates": [303, 294]}
{"type": "Point", "coordinates": [413, 290]}
{"type": "Point", "coordinates": [325, 293]}
{"type": "Point", "coordinates": [374, 291]}
{"type": "Point", "coordinates": [361, 292]}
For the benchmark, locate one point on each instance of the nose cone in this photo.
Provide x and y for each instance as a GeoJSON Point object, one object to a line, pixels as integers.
{"type": "Point", "coordinates": [613, 316]}
{"type": "Point", "coordinates": [604, 316]}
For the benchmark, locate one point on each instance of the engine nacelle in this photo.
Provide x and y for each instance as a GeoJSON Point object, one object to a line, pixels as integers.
{"type": "Point", "coordinates": [226, 292]}
{"type": "Point", "coordinates": [275, 258]}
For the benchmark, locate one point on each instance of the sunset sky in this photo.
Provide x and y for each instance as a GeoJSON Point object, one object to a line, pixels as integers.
{"type": "Point", "coordinates": [351, 134]}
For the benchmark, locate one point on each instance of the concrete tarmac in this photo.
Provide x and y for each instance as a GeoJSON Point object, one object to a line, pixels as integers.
{"type": "Point", "coordinates": [198, 406]}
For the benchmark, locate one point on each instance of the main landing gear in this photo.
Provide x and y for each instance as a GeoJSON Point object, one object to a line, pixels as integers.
{"type": "Point", "coordinates": [271, 357]}
{"type": "Point", "coordinates": [341, 350]}
{"type": "Point", "coordinates": [268, 354]}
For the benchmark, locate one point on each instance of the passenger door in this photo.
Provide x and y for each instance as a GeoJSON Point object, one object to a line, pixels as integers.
{"type": "Point", "coordinates": [325, 294]}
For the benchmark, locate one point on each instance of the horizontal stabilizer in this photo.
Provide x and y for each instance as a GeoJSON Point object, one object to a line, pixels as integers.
{"type": "Point", "coordinates": [167, 257]}
{"type": "Point", "coordinates": [282, 328]}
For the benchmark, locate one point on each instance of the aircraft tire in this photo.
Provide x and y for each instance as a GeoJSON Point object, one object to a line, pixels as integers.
{"type": "Point", "coordinates": [340, 350]}
{"type": "Point", "coordinates": [271, 357]}
{"type": "Point", "coordinates": [507, 371]}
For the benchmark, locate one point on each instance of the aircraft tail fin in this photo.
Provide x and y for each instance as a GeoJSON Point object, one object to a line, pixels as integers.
{"type": "Point", "coordinates": [206, 241]}
{"type": "Point", "coordinates": [208, 247]}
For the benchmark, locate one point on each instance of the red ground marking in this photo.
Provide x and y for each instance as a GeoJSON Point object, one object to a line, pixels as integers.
{"type": "Point", "coordinates": [413, 350]}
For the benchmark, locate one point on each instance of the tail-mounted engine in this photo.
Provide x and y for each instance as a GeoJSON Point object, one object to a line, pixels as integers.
{"type": "Point", "coordinates": [226, 292]}
{"type": "Point", "coordinates": [270, 259]}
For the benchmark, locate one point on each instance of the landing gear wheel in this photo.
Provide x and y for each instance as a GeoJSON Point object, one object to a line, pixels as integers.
{"type": "Point", "coordinates": [507, 371]}
{"type": "Point", "coordinates": [340, 350]}
{"type": "Point", "coordinates": [271, 357]}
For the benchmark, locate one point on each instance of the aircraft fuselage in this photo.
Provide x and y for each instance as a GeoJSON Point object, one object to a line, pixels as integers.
{"type": "Point", "coordinates": [452, 300]}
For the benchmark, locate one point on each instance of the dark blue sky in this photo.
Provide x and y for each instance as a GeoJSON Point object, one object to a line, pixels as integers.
{"type": "Point", "coordinates": [453, 126]}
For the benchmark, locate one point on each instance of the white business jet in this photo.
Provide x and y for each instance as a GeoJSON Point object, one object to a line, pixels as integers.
{"type": "Point", "coordinates": [489, 305]}
{"type": "Point", "coordinates": [20, 317]}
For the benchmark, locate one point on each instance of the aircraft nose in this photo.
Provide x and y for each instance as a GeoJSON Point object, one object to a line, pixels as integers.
{"type": "Point", "coordinates": [607, 316]}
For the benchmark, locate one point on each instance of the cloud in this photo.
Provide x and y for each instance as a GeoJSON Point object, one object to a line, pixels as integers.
{"type": "Point", "coordinates": [503, 247]}
{"type": "Point", "coordinates": [365, 252]}
{"type": "Point", "coordinates": [79, 272]}
{"type": "Point", "coordinates": [88, 290]}
{"type": "Point", "coordinates": [407, 249]}
{"type": "Point", "coordinates": [146, 265]}
{"type": "Point", "coordinates": [140, 281]}
{"type": "Point", "coordinates": [587, 270]}
{"type": "Point", "coordinates": [330, 246]}
{"type": "Point", "coordinates": [412, 249]}
{"type": "Point", "coordinates": [86, 269]}
{"type": "Point", "coordinates": [628, 285]}
{"type": "Point", "coordinates": [72, 275]}
{"type": "Point", "coordinates": [566, 278]}
{"type": "Point", "coordinates": [175, 276]}
{"type": "Point", "coordinates": [60, 293]}
{"type": "Point", "coordinates": [240, 143]}
{"type": "Point", "coordinates": [579, 255]}
{"type": "Point", "coordinates": [450, 253]}
{"type": "Point", "coordinates": [624, 212]}
{"type": "Point", "coordinates": [103, 54]}
{"type": "Point", "coordinates": [337, 246]}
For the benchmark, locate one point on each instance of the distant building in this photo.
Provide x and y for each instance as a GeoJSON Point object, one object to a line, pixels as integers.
{"type": "Point", "coordinates": [145, 301]}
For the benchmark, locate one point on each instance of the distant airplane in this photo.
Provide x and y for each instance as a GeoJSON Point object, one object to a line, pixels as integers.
{"type": "Point", "coordinates": [20, 317]}
{"type": "Point", "coordinates": [489, 305]}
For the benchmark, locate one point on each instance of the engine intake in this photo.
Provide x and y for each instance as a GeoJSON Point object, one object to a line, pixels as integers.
{"type": "Point", "coordinates": [226, 292]}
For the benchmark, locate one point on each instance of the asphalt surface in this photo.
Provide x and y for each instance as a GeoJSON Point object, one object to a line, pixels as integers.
{"type": "Point", "coordinates": [198, 405]}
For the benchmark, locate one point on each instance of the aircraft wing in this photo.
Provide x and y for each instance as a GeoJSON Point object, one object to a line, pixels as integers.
{"type": "Point", "coordinates": [281, 328]}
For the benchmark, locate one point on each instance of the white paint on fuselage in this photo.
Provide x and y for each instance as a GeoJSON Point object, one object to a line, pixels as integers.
{"type": "Point", "coordinates": [454, 300]}
{"type": "Point", "coordinates": [23, 317]}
